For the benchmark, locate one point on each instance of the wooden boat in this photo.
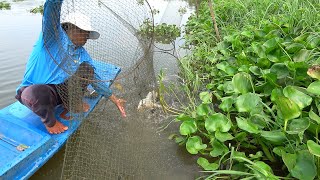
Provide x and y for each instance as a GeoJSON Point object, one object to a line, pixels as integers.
{"type": "Point", "coordinates": [25, 144]}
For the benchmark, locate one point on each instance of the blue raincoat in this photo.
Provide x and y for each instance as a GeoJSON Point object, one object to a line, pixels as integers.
{"type": "Point", "coordinates": [55, 58]}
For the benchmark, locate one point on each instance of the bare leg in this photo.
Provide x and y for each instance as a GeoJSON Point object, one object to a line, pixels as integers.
{"type": "Point", "coordinates": [63, 115]}
{"type": "Point", "coordinates": [85, 108]}
{"type": "Point", "coordinates": [42, 99]}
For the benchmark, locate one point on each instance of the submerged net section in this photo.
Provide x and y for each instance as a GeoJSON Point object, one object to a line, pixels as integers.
{"type": "Point", "coordinates": [107, 146]}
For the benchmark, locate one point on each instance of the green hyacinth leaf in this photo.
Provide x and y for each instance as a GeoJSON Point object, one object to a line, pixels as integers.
{"type": "Point", "coordinates": [300, 98]}
{"type": "Point", "coordinates": [206, 97]}
{"type": "Point", "coordinates": [280, 69]}
{"type": "Point", "coordinates": [248, 102]}
{"type": "Point", "coordinates": [314, 88]}
{"type": "Point", "coordinates": [206, 165]}
{"type": "Point", "coordinates": [287, 108]}
{"type": "Point", "coordinates": [247, 125]}
{"type": "Point", "coordinates": [275, 137]}
{"type": "Point", "coordinates": [302, 56]}
{"type": "Point", "coordinates": [203, 110]}
{"type": "Point", "coordinates": [294, 47]}
{"type": "Point", "coordinates": [314, 148]}
{"type": "Point", "coordinates": [188, 127]}
{"type": "Point", "coordinates": [223, 136]}
{"type": "Point", "coordinates": [297, 126]}
{"type": "Point", "coordinates": [217, 122]}
{"type": "Point", "coordinates": [305, 166]}
{"type": "Point", "coordinates": [226, 104]}
{"type": "Point", "coordinates": [270, 45]}
{"type": "Point", "coordinates": [218, 148]}
{"type": "Point", "coordinates": [194, 145]}
{"type": "Point", "coordinates": [184, 117]}
{"type": "Point", "coordinates": [242, 83]}
{"type": "Point", "coordinates": [314, 116]}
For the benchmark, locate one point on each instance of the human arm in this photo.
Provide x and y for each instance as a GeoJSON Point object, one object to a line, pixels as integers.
{"type": "Point", "coordinates": [51, 19]}
{"type": "Point", "coordinates": [103, 76]}
{"type": "Point", "coordinates": [103, 89]}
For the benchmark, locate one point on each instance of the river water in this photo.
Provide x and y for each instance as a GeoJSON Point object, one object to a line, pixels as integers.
{"type": "Point", "coordinates": [19, 30]}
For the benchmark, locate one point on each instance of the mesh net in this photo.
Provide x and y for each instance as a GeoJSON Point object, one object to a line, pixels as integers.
{"type": "Point", "coordinates": [107, 146]}
{"type": "Point", "coordinates": [116, 44]}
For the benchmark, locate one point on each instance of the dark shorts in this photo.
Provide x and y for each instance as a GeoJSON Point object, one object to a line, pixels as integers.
{"type": "Point", "coordinates": [42, 100]}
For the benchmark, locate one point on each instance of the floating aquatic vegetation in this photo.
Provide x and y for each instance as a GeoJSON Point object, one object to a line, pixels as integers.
{"type": "Point", "coordinates": [253, 108]}
{"type": "Point", "coordinates": [162, 33]}
{"type": "Point", "coordinates": [182, 10]}
{"type": "Point", "coordinates": [5, 5]}
{"type": "Point", "coordinates": [36, 10]}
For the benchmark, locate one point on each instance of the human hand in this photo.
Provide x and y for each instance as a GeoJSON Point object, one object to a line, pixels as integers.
{"type": "Point", "coordinates": [120, 103]}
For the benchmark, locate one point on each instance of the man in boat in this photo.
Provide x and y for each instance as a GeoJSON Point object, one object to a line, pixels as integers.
{"type": "Point", "coordinates": [57, 56]}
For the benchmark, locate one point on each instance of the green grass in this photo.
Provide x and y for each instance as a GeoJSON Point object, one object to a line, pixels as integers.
{"type": "Point", "coordinates": [236, 15]}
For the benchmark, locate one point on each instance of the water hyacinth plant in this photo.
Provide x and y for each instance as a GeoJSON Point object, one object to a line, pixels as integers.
{"type": "Point", "coordinates": [162, 33]}
{"type": "Point", "coordinates": [36, 10]}
{"type": "Point", "coordinates": [258, 113]}
{"type": "Point", "coordinates": [5, 5]}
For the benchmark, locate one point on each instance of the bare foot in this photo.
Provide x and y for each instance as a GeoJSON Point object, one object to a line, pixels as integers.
{"type": "Point", "coordinates": [63, 115]}
{"type": "Point", "coordinates": [85, 108]}
{"type": "Point", "coordinates": [57, 128]}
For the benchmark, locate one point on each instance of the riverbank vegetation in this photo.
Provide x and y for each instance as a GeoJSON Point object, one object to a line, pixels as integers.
{"type": "Point", "coordinates": [253, 108]}
{"type": "Point", "coordinates": [161, 33]}
{"type": "Point", "coordinates": [5, 5]}
{"type": "Point", "coordinates": [36, 10]}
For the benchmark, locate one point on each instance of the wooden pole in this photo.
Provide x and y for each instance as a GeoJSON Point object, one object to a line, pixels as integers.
{"type": "Point", "coordinates": [214, 20]}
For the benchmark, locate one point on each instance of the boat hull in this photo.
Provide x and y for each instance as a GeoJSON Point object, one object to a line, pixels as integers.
{"type": "Point", "coordinates": [25, 144]}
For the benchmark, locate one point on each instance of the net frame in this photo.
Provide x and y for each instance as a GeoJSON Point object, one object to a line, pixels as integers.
{"type": "Point", "coordinates": [134, 31]}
